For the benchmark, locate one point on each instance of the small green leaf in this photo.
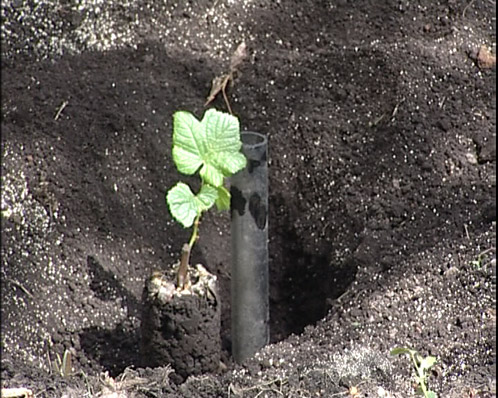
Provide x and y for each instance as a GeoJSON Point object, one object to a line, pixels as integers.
{"type": "Point", "coordinates": [182, 204]}
{"type": "Point", "coordinates": [185, 206]}
{"type": "Point", "coordinates": [206, 197]}
{"type": "Point", "coordinates": [431, 394]}
{"type": "Point", "coordinates": [213, 145]}
{"type": "Point", "coordinates": [223, 201]}
{"type": "Point", "coordinates": [400, 350]}
{"type": "Point", "coordinates": [427, 362]}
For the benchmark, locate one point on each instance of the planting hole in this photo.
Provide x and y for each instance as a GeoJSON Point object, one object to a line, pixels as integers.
{"type": "Point", "coordinates": [302, 286]}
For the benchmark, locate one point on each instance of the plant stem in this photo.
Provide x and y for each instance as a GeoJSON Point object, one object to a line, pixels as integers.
{"type": "Point", "coordinates": [182, 276]}
{"type": "Point", "coordinates": [195, 232]}
{"type": "Point", "coordinates": [420, 373]}
{"type": "Point", "coordinates": [223, 88]}
{"type": "Point", "coordinates": [423, 387]}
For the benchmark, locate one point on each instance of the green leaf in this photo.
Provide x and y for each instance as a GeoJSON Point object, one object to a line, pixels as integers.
{"type": "Point", "coordinates": [182, 204]}
{"type": "Point", "coordinates": [185, 206]}
{"type": "Point", "coordinates": [212, 175]}
{"type": "Point", "coordinates": [431, 394]}
{"type": "Point", "coordinates": [187, 142]}
{"type": "Point", "coordinates": [231, 163]}
{"type": "Point", "coordinates": [223, 135]}
{"type": "Point", "coordinates": [213, 145]}
{"type": "Point", "coordinates": [223, 201]}
{"type": "Point", "coordinates": [400, 350]}
{"type": "Point", "coordinates": [206, 197]}
{"type": "Point", "coordinates": [427, 362]}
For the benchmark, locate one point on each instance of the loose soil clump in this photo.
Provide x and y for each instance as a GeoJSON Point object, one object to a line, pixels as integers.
{"type": "Point", "coordinates": [181, 328]}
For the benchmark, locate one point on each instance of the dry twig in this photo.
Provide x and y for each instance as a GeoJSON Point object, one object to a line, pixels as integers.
{"type": "Point", "coordinates": [58, 114]}
{"type": "Point", "coordinates": [220, 83]}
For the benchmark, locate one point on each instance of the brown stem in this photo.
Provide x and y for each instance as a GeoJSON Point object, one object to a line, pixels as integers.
{"type": "Point", "coordinates": [223, 91]}
{"type": "Point", "coordinates": [183, 268]}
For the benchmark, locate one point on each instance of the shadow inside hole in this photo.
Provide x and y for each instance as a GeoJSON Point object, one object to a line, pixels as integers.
{"type": "Point", "coordinates": [107, 287]}
{"type": "Point", "coordinates": [114, 350]}
{"type": "Point", "coordinates": [303, 287]}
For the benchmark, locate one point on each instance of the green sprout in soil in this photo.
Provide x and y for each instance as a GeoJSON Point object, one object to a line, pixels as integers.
{"type": "Point", "coordinates": [480, 262]}
{"type": "Point", "coordinates": [422, 368]}
{"type": "Point", "coordinates": [62, 365]}
{"type": "Point", "coordinates": [210, 147]}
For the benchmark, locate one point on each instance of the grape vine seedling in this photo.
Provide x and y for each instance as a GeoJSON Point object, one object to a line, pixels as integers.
{"type": "Point", "coordinates": [210, 147]}
{"type": "Point", "coordinates": [422, 368]}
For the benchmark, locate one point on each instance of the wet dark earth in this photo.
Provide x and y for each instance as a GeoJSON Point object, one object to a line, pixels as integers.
{"type": "Point", "coordinates": [380, 117]}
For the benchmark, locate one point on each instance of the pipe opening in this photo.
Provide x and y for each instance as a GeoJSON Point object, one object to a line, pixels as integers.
{"type": "Point", "coordinates": [251, 139]}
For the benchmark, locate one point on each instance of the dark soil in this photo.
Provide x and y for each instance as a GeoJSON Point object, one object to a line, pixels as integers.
{"type": "Point", "coordinates": [380, 117]}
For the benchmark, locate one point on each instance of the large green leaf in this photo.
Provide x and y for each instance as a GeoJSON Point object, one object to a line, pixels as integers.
{"type": "Point", "coordinates": [187, 144]}
{"type": "Point", "coordinates": [213, 145]}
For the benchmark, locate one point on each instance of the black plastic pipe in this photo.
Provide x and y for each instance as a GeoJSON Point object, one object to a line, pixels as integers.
{"type": "Point", "coordinates": [249, 229]}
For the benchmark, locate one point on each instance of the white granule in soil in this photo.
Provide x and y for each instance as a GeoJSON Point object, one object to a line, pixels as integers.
{"type": "Point", "coordinates": [51, 28]}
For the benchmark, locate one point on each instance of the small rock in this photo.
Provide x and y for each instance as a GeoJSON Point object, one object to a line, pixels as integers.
{"type": "Point", "coordinates": [487, 151]}
{"type": "Point", "coordinates": [485, 60]}
{"type": "Point", "coordinates": [471, 158]}
{"type": "Point", "coordinates": [452, 271]}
